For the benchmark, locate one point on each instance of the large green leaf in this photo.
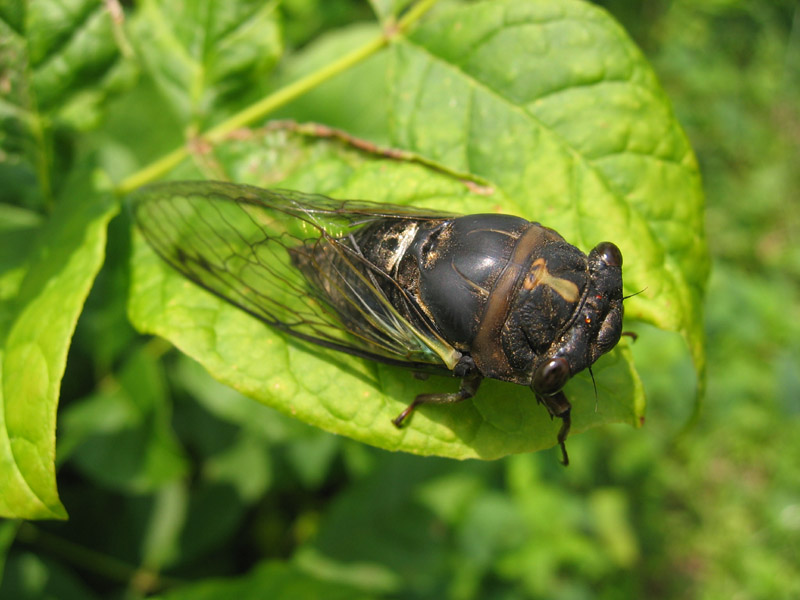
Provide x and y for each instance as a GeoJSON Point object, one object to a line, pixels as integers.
{"type": "Point", "coordinates": [339, 393]}
{"type": "Point", "coordinates": [552, 103]}
{"type": "Point", "coordinates": [41, 304]}
{"type": "Point", "coordinates": [552, 109]}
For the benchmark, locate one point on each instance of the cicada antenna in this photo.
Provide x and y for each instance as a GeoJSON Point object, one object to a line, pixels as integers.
{"type": "Point", "coordinates": [594, 385]}
{"type": "Point", "coordinates": [633, 294]}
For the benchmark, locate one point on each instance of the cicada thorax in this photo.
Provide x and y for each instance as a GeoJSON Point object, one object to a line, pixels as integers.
{"type": "Point", "coordinates": [500, 288]}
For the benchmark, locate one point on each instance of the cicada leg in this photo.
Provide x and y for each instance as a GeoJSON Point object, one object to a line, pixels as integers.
{"type": "Point", "coordinates": [470, 381]}
{"type": "Point", "coordinates": [558, 406]}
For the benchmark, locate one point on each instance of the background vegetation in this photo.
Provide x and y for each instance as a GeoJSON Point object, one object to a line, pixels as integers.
{"type": "Point", "coordinates": [171, 480]}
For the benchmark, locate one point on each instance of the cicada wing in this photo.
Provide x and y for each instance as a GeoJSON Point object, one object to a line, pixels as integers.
{"type": "Point", "coordinates": [289, 259]}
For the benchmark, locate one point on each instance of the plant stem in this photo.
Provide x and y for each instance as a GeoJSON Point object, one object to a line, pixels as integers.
{"type": "Point", "coordinates": [263, 107]}
{"type": "Point", "coordinates": [152, 171]}
{"type": "Point", "coordinates": [281, 97]}
{"type": "Point", "coordinates": [114, 569]}
{"type": "Point", "coordinates": [415, 14]}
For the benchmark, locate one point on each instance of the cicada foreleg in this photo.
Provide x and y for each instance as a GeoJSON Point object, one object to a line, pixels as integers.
{"type": "Point", "coordinates": [470, 381]}
{"type": "Point", "coordinates": [558, 406]}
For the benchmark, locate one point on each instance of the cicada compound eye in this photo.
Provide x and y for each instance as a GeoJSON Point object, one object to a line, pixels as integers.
{"type": "Point", "coordinates": [609, 254]}
{"type": "Point", "coordinates": [551, 376]}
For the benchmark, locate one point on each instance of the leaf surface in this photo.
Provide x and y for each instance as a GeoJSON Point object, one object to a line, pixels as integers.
{"type": "Point", "coordinates": [42, 300]}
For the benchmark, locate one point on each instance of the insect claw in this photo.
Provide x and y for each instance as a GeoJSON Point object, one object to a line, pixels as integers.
{"type": "Point", "coordinates": [558, 406]}
{"type": "Point", "coordinates": [398, 420]}
{"type": "Point", "coordinates": [564, 455]}
{"type": "Point", "coordinates": [566, 423]}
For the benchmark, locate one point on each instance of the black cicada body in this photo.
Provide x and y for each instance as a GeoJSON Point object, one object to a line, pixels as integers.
{"type": "Point", "coordinates": [480, 295]}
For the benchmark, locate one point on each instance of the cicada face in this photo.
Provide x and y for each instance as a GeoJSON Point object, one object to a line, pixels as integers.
{"type": "Point", "coordinates": [480, 295]}
{"type": "Point", "coordinates": [595, 324]}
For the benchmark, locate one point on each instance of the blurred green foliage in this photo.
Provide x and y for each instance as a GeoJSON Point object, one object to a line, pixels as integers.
{"type": "Point", "coordinates": [173, 481]}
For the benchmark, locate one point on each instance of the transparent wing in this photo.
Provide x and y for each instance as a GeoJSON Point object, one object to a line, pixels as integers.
{"type": "Point", "coordinates": [289, 259]}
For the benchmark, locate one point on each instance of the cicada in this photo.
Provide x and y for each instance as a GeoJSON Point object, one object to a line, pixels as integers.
{"type": "Point", "coordinates": [483, 295]}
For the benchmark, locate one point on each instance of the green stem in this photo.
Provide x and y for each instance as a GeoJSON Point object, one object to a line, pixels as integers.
{"type": "Point", "coordinates": [415, 14]}
{"type": "Point", "coordinates": [152, 171]}
{"type": "Point", "coordinates": [141, 578]}
{"type": "Point", "coordinates": [262, 108]}
{"type": "Point", "coordinates": [284, 95]}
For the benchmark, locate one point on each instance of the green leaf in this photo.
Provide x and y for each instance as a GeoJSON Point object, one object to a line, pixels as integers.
{"type": "Point", "coordinates": [207, 55]}
{"type": "Point", "coordinates": [71, 47]}
{"type": "Point", "coordinates": [269, 580]}
{"type": "Point", "coordinates": [381, 527]}
{"type": "Point", "coordinates": [36, 324]}
{"type": "Point", "coordinates": [552, 103]}
{"type": "Point", "coordinates": [339, 393]}
{"type": "Point", "coordinates": [58, 62]}
{"type": "Point", "coordinates": [229, 407]}
{"type": "Point", "coordinates": [18, 228]}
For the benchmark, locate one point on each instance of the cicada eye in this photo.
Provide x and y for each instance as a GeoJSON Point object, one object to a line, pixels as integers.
{"type": "Point", "coordinates": [551, 376]}
{"type": "Point", "coordinates": [609, 254]}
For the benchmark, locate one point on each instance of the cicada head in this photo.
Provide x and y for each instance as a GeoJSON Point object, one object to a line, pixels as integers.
{"type": "Point", "coordinates": [595, 327]}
